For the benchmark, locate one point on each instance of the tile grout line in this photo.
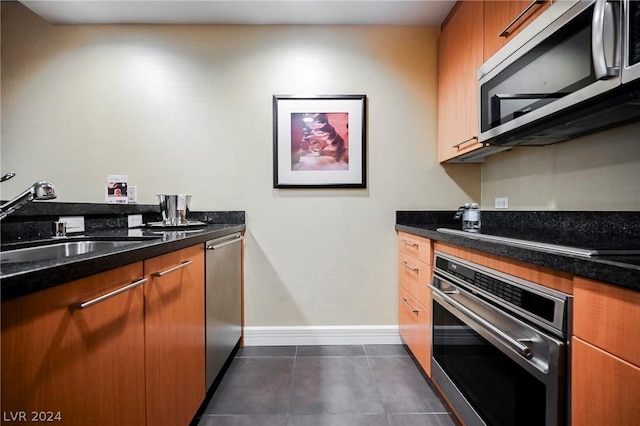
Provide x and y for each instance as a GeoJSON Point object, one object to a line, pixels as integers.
{"type": "Point", "coordinates": [375, 383]}
{"type": "Point", "coordinates": [293, 376]}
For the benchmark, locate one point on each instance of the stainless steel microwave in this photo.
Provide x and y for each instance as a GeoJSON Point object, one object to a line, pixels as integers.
{"type": "Point", "coordinates": [573, 71]}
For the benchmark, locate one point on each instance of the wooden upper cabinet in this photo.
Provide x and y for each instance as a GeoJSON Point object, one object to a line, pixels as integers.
{"type": "Point", "coordinates": [460, 56]}
{"type": "Point", "coordinates": [503, 20]}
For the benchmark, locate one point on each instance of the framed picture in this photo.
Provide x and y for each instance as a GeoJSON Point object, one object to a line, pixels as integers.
{"type": "Point", "coordinates": [319, 141]}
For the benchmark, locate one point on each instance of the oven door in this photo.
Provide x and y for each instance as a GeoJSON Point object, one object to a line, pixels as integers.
{"type": "Point", "coordinates": [493, 368]}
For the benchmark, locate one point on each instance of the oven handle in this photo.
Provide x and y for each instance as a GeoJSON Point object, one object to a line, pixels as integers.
{"type": "Point", "coordinates": [520, 347]}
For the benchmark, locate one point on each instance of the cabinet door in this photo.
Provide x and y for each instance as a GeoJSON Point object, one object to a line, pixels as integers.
{"type": "Point", "coordinates": [414, 322]}
{"type": "Point", "coordinates": [174, 336]}
{"type": "Point", "coordinates": [608, 316]}
{"type": "Point", "coordinates": [498, 15]}
{"type": "Point", "coordinates": [605, 389]}
{"type": "Point", "coordinates": [83, 365]}
{"type": "Point", "coordinates": [460, 55]}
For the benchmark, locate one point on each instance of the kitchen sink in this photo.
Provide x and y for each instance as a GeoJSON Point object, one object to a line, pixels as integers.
{"type": "Point", "coordinates": [61, 250]}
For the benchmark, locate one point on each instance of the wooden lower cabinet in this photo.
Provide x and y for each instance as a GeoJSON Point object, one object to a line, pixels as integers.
{"type": "Point", "coordinates": [605, 359]}
{"type": "Point", "coordinates": [135, 359]}
{"type": "Point", "coordinates": [605, 389]}
{"type": "Point", "coordinates": [174, 336]}
{"type": "Point", "coordinates": [68, 365]}
{"type": "Point", "coordinates": [415, 277]}
{"type": "Point", "coordinates": [415, 258]}
{"type": "Point", "coordinates": [419, 248]}
{"type": "Point", "coordinates": [608, 317]}
{"type": "Point", "coordinates": [414, 321]}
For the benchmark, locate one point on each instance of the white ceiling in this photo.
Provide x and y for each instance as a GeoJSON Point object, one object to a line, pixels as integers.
{"type": "Point", "coordinates": [304, 12]}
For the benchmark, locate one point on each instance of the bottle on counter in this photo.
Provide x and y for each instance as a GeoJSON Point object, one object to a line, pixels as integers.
{"type": "Point", "coordinates": [463, 213]}
{"type": "Point", "coordinates": [471, 218]}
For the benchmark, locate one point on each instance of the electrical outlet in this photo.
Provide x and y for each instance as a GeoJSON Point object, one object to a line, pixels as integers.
{"type": "Point", "coordinates": [132, 194]}
{"type": "Point", "coordinates": [502, 203]}
{"type": "Point", "coordinates": [134, 220]}
{"type": "Point", "coordinates": [74, 223]}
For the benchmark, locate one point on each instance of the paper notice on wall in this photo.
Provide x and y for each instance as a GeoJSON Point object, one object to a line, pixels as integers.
{"type": "Point", "coordinates": [116, 189]}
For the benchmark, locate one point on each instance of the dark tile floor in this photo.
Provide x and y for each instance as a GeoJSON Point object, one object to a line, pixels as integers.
{"type": "Point", "coordinates": [370, 385]}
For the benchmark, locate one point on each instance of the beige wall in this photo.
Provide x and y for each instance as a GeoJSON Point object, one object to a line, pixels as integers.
{"type": "Point", "coordinates": [596, 172]}
{"type": "Point", "coordinates": [189, 109]}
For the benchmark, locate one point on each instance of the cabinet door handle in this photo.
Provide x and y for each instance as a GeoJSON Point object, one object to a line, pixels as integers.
{"type": "Point", "coordinates": [175, 268]}
{"type": "Point", "coordinates": [472, 138]}
{"type": "Point", "coordinates": [411, 308]}
{"type": "Point", "coordinates": [413, 268]}
{"type": "Point", "coordinates": [226, 243]}
{"type": "Point", "coordinates": [82, 305]}
{"type": "Point", "coordinates": [410, 243]}
{"type": "Point", "coordinates": [505, 32]}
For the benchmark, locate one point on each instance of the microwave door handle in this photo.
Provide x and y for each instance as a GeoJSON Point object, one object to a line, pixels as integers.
{"type": "Point", "coordinates": [603, 14]}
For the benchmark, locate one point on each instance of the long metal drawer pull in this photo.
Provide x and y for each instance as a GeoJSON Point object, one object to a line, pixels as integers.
{"type": "Point", "coordinates": [411, 308]}
{"type": "Point", "coordinates": [505, 32]}
{"type": "Point", "coordinates": [406, 265]}
{"type": "Point", "coordinates": [520, 347]}
{"type": "Point", "coordinates": [226, 243]}
{"type": "Point", "coordinates": [410, 243]}
{"type": "Point", "coordinates": [472, 138]}
{"type": "Point", "coordinates": [175, 268]}
{"type": "Point", "coordinates": [82, 305]}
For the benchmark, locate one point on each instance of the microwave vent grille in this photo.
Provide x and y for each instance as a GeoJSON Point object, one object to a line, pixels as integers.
{"type": "Point", "coordinates": [583, 120]}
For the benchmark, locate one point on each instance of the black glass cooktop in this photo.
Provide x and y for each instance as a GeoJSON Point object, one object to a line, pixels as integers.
{"type": "Point", "coordinates": [579, 244]}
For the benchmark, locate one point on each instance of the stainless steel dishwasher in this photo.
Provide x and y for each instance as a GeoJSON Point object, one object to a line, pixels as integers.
{"type": "Point", "coordinates": [223, 295]}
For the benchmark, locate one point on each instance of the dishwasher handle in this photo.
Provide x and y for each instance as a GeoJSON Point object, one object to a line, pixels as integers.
{"type": "Point", "coordinates": [224, 242]}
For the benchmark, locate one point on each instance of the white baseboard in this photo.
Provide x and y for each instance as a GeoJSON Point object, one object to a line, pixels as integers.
{"type": "Point", "coordinates": [322, 335]}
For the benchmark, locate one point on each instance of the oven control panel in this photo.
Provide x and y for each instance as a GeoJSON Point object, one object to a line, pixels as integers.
{"type": "Point", "coordinates": [507, 291]}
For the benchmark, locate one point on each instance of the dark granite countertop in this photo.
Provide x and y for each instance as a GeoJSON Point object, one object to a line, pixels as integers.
{"type": "Point", "coordinates": [31, 225]}
{"type": "Point", "coordinates": [19, 279]}
{"type": "Point", "coordinates": [619, 270]}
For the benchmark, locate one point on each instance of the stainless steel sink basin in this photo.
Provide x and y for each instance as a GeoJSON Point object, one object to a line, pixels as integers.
{"type": "Point", "coordinates": [60, 250]}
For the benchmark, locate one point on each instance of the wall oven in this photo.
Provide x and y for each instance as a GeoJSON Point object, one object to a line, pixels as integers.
{"type": "Point", "coordinates": [573, 71]}
{"type": "Point", "coordinates": [499, 348]}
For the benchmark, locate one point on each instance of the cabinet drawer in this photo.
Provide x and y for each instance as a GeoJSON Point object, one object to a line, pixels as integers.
{"type": "Point", "coordinates": [415, 277]}
{"type": "Point", "coordinates": [414, 323]}
{"type": "Point", "coordinates": [608, 317]}
{"type": "Point", "coordinates": [605, 389]}
{"type": "Point", "coordinates": [415, 246]}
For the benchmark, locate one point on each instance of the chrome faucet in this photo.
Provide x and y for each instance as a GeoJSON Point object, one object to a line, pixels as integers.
{"type": "Point", "coordinates": [42, 190]}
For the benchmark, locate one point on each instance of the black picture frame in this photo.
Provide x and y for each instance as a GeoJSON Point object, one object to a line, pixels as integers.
{"type": "Point", "coordinates": [319, 141]}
